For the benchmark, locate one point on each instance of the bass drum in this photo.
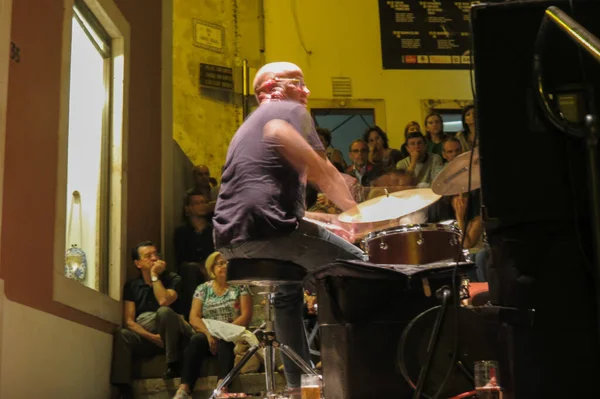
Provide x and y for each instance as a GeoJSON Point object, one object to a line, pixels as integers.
{"type": "Point", "coordinates": [414, 244]}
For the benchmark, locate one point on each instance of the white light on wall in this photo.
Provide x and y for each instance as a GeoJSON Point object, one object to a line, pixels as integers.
{"type": "Point", "coordinates": [88, 94]}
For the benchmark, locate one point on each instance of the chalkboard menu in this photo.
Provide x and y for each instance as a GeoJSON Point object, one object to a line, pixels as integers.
{"type": "Point", "coordinates": [425, 34]}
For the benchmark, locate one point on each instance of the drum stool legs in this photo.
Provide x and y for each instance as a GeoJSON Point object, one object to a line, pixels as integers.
{"type": "Point", "coordinates": [268, 341]}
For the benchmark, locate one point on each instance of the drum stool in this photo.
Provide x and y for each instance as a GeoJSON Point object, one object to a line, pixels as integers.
{"type": "Point", "coordinates": [267, 274]}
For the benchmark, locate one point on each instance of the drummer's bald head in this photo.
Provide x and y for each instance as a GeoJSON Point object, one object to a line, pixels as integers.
{"type": "Point", "coordinates": [270, 71]}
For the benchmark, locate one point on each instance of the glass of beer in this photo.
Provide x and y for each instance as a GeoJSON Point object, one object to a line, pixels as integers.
{"type": "Point", "coordinates": [487, 380]}
{"type": "Point", "coordinates": [310, 386]}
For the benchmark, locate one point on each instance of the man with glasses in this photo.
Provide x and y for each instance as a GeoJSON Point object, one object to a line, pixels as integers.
{"type": "Point", "coordinates": [261, 205]}
{"type": "Point", "coordinates": [363, 170]}
{"type": "Point", "coordinates": [151, 326]}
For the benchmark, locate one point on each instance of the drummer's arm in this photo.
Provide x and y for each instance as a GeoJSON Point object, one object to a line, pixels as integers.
{"type": "Point", "coordinates": [473, 233]}
{"type": "Point", "coordinates": [294, 148]}
{"type": "Point", "coordinates": [321, 217]}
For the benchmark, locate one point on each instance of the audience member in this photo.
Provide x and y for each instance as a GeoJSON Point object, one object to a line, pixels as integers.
{"type": "Point", "coordinates": [380, 153]}
{"type": "Point", "coordinates": [468, 218]}
{"type": "Point", "coordinates": [451, 149]}
{"type": "Point", "coordinates": [474, 230]}
{"type": "Point", "coordinates": [423, 165]}
{"type": "Point", "coordinates": [193, 243]}
{"type": "Point", "coordinates": [434, 133]}
{"type": "Point", "coordinates": [151, 326]}
{"type": "Point", "coordinates": [361, 169]}
{"type": "Point", "coordinates": [467, 136]}
{"type": "Point", "coordinates": [334, 155]}
{"type": "Point", "coordinates": [214, 300]}
{"type": "Point", "coordinates": [193, 239]}
{"type": "Point", "coordinates": [202, 183]}
{"type": "Point", "coordinates": [411, 127]}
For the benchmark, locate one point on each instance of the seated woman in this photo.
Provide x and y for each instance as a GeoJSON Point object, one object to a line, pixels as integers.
{"type": "Point", "coordinates": [470, 223]}
{"type": "Point", "coordinates": [434, 133]}
{"type": "Point", "coordinates": [467, 135]}
{"type": "Point", "coordinates": [215, 300]}
{"type": "Point", "coordinates": [380, 153]}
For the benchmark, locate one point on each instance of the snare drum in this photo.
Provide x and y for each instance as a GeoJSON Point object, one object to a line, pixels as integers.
{"type": "Point", "coordinates": [413, 244]}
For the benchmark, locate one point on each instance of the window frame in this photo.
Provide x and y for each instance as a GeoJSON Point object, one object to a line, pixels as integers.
{"type": "Point", "coordinates": [106, 306]}
{"type": "Point", "coordinates": [5, 45]}
{"type": "Point", "coordinates": [377, 105]}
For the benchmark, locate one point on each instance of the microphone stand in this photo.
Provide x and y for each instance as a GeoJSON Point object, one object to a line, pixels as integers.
{"type": "Point", "coordinates": [591, 44]}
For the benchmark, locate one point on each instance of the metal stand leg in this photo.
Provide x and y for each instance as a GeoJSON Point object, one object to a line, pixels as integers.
{"type": "Point", "coordinates": [269, 337]}
{"type": "Point", "coordinates": [234, 371]}
{"type": "Point", "coordinates": [297, 359]}
{"type": "Point", "coordinates": [311, 336]}
{"type": "Point", "coordinates": [270, 369]}
{"type": "Point", "coordinates": [433, 342]}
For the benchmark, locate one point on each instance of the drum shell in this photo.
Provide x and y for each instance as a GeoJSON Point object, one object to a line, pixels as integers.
{"type": "Point", "coordinates": [414, 244]}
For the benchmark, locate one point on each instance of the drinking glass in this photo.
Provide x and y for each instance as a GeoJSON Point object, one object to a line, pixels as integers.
{"type": "Point", "coordinates": [310, 386]}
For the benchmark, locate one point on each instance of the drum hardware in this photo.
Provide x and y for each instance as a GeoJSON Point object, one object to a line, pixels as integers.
{"type": "Point", "coordinates": [454, 241]}
{"type": "Point", "coordinates": [444, 294]}
{"type": "Point", "coordinates": [420, 240]}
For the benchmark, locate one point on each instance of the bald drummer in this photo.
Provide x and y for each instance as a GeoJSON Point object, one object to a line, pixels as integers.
{"type": "Point", "coordinates": [260, 208]}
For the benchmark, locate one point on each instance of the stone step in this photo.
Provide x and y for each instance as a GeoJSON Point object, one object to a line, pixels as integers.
{"type": "Point", "coordinates": [157, 388]}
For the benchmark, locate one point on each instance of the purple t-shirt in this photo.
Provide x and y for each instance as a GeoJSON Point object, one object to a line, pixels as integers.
{"type": "Point", "coordinates": [261, 194]}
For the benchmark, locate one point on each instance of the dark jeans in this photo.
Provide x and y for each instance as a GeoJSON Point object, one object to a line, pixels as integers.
{"type": "Point", "coordinates": [481, 261]}
{"type": "Point", "coordinates": [195, 352]}
{"type": "Point", "coordinates": [174, 332]}
{"type": "Point", "coordinates": [309, 246]}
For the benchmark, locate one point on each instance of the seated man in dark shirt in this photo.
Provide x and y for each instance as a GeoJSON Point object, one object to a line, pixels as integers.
{"type": "Point", "coordinates": [151, 327]}
{"type": "Point", "coordinates": [194, 238]}
{"type": "Point", "coordinates": [193, 244]}
{"type": "Point", "coordinates": [260, 208]}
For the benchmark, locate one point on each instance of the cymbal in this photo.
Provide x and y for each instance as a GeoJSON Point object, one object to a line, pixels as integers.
{"type": "Point", "coordinates": [391, 206]}
{"type": "Point", "coordinates": [454, 178]}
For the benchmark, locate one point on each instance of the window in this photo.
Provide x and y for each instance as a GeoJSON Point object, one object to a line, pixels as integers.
{"type": "Point", "coordinates": [346, 125]}
{"type": "Point", "coordinates": [90, 198]}
{"type": "Point", "coordinates": [88, 162]}
{"type": "Point", "coordinates": [452, 120]}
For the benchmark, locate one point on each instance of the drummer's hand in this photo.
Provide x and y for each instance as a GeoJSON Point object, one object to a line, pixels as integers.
{"type": "Point", "coordinates": [344, 230]}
